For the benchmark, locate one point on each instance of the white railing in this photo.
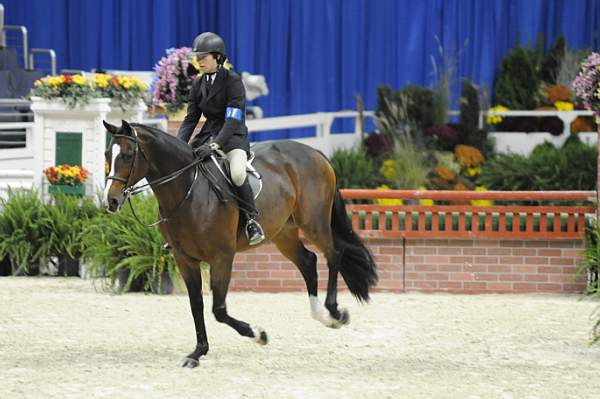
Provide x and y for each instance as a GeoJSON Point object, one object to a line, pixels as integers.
{"type": "Point", "coordinates": [523, 143]}
{"type": "Point", "coordinates": [324, 140]}
{"type": "Point", "coordinates": [15, 179]}
{"type": "Point", "coordinates": [17, 158]}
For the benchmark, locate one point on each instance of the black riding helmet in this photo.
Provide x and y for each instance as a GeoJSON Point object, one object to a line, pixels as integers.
{"type": "Point", "coordinates": [209, 42]}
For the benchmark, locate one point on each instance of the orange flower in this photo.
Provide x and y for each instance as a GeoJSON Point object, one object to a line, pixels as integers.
{"type": "Point", "coordinates": [558, 93]}
{"type": "Point", "coordinates": [444, 173]}
{"type": "Point", "coordinates": [468, 156]}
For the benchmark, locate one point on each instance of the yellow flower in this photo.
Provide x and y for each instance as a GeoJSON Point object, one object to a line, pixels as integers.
{"type": "Point", "coordinates": [388, 169]}
{"type": "Point", "coordinates": [426, 202]}
{"type": "Point", "coordinates": [563, 106]}
{"type": "Point", "coordinates": [78, 79]}
{"type": "Point", "coordinates": [138, 83]}
{"type": "Point", "coordinates": [481, 202]}
{"type": "Point", "coordinates": [38, 83]}
{"type": "Point", "coordinates": [387, 201]}
{"type": "Point", "coordinates": [101, 80]}
{"type": "Point", "coordinates": [495, 119]}
{"type": "Point", "coordinates": [472, 171]}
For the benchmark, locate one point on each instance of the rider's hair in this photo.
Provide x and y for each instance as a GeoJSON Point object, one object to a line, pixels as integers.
{"type": "Point", "coordinates": [219, 57]}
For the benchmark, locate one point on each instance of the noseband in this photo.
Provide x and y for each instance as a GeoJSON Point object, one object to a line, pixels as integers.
{"type": "Point", "coordinates": [130, 190]}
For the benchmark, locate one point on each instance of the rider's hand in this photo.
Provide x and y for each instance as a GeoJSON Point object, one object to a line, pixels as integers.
{"type": "Point", "coordinates": [203, 152]}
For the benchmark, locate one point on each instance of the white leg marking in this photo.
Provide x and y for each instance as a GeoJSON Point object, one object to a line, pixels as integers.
{"type": "Point", "coordinates": [116, 149]}
{"type": "Point", "coordinates": [258, 335]}
{"type": "Point", "coordinates": [319, 313]}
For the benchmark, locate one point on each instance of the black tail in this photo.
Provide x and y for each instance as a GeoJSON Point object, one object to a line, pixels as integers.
{"type": "Point", "coordinates": [357, 265]}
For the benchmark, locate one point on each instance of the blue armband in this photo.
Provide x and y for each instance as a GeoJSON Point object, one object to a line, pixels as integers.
{"type": "Point", "coordinates": [233, 113]}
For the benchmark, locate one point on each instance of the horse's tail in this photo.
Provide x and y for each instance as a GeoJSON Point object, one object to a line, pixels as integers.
{"type": "Point", "coordinates": [357, 265]}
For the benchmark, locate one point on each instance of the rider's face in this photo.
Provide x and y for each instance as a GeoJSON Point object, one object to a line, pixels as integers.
{"type": "Point", "coordinates": [207, 63]}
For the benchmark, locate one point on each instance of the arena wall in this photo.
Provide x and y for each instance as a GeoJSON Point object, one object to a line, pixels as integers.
{"type": "Point", "coordinates": [434, 265]}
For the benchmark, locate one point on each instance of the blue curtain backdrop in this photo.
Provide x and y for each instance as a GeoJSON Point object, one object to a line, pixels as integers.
{"type": "Point", "coordinates": [315, 54]}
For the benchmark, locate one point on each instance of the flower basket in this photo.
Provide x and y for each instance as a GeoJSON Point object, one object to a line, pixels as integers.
{"type": "Point", "coordinates": [174, 76]}
{"type": "Point", "coordinates": [66, 179]}
{"type": "Point", "coordinates": [78, 190]}
{"type": "Point", "coordinates": [77, 91]}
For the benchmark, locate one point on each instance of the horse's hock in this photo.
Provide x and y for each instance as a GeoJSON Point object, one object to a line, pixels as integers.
{"type": "Point", "coordinates": [459, 249]}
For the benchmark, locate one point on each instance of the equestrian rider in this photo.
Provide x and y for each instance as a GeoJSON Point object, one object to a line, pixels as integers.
{"type": "Point", "coordinates": [220, 95]}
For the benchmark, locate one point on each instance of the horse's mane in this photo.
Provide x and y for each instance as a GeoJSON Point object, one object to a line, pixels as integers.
{"type": "Point", "coordinates": [180, 146]}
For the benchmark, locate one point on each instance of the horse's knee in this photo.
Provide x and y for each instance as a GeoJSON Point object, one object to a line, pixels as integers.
{"type": "Point", "coordinates": [220, 314]}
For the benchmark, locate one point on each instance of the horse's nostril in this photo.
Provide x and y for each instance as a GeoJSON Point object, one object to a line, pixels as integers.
{"type": "Point", "coordinates": [113, 204]}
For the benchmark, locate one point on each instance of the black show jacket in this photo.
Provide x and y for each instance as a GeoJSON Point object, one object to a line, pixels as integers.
{"type": "Point", "coordinates": [227, 90]}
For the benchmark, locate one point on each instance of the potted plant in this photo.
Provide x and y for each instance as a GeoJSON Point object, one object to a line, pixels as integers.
{"type": "Point", "coordinates": [125, 91]}
{"type": "Point", "coordinates": [21, 238]}
{"type": "Point", "coordinates": [117, 246]}
{"type": "Point", "coordinates": [170, 90]}
{"type": "Point", "coordinates": [66, 179]}
{"type": "Point", "coordinates": [73, 90]}
{"type": "Point", "coordinates": [62, 223]}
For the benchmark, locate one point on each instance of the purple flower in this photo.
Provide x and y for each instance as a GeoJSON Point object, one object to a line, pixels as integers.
{"type": "Point", "coordinates": [172, 84]}
{"type": "Point", "coordinates": [587, 83]}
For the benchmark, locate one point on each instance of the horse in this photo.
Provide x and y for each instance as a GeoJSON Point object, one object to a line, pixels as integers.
{"type": "Point", "coordinates": [199, 218]}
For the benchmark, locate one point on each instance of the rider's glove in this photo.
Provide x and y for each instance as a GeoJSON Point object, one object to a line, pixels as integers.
{"type": "Point", "coordinates": [203, 152]}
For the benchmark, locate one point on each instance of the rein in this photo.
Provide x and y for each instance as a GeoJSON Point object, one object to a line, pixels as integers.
{"type": "Point", "coordinates": [128, 191]}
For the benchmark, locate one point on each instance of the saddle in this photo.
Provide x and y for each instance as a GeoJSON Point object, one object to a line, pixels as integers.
{"type": "Point", "coordinates": [254, 177]}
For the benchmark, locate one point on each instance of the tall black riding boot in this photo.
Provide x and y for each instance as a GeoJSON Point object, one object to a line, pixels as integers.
{"type": "Point", "coordinates": [254, 231]}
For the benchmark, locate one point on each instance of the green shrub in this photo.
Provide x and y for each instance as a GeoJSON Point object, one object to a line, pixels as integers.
{"type": "Point", "coordinates": [407, 169]}
{"type": "Point", "coordinates": [420, 105]}
{"type": "Point", "coordinates": [590, 267]}
{"type": "Point", "coordinates": [354, 169]}
{"type": "Point", "coordinates": [552, 61]}
{"type": "Point", "coordinates": [572, 167]}
{"type": "Point", "coordinates": [517, 82]}
{"type": "Point", "coordinates": [113, 242]}
{"type": "Point", "coordinates": [21, 238]}
{"type": "Point", "coordinates": [63, 220]}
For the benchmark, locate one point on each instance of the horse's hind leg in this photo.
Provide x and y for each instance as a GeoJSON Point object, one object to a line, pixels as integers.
{"type": "Point", "coordinates": [288, 242]}
{"type": "Point", "coordinates": [318, 231]}
{"type": "Point", "coordinates": [220, 275]}
{"type": "Point", "coordinates": [193, 281]}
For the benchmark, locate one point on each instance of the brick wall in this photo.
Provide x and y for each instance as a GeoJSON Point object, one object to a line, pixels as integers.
{"type": "Point", "coordinates": [428, 265]}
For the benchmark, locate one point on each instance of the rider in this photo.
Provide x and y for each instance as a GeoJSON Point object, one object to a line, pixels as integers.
{"type": "Point", "coordinates": [220, 95]}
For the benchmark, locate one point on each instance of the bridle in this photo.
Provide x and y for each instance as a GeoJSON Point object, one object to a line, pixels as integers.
{"type": "Point", "coordinates": [130, 190]}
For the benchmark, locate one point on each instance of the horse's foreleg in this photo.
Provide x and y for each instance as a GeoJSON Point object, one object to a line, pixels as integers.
{"type": "Point", "coordinates": [220, 275]}
{"type": "Point", "coordinates": [193, 281]}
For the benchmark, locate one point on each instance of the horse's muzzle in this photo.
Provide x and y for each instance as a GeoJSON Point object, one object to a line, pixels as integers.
{"type": "Point", "coordinates": [114, 203]}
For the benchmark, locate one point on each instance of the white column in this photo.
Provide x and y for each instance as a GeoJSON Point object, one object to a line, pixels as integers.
{"type": "Point", "coordinates": [54, 116]}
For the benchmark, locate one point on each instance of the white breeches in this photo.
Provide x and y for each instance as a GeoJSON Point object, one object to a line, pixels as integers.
{"type": "Point", "coordinates": [237, 163]}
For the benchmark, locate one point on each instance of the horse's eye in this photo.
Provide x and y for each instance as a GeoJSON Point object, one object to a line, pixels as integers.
{"type": "Point", "coordinates": [127, 157]}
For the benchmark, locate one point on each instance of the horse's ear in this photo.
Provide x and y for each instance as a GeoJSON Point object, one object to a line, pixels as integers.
{"type": "Point", "coordinates": [110, 128]}
{"type": "Point", "coordinates": [126, 128]}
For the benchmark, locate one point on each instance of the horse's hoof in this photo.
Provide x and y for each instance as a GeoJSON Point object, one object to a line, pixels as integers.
{"type": "Point", "coordinates": [342, 321]}
{"type": "Point", "coordinates": [344, 317]}
{"type": "Point", "coordinates": [260, 336]}
{"type": "Point", "coordinates": [188, 362]}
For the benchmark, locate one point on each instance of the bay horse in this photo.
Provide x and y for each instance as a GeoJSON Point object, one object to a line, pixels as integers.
{"type": "Point", "coordinates": [299, 193]}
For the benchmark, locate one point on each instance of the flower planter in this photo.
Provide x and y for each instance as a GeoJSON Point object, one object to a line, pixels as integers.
{"type": "Point", "coordinates": [67, 189]}
{"type": "Point", "coordinates": [162, 283]}
{"type": "Point", "coordinates": [68, 267]}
